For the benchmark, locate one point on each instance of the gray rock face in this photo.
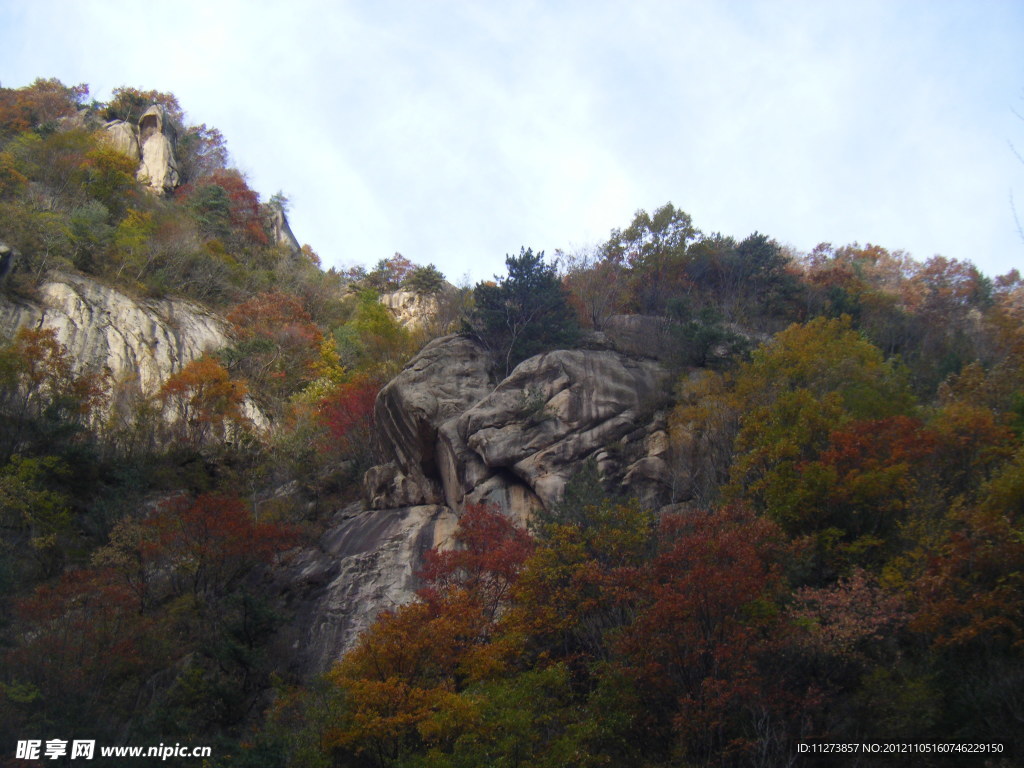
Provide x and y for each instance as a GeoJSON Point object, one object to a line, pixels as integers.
{"type": "Point", "coordinates": [449, 437]}
{"type": "Point", "coordinates": [139, 343]}
{"type": "Point", "coordinates": [558, 409]}
{"type": "Point", "coordinates": [124, 137]}
{"type": "Point", "coordinates": [282, 231]}
{"type": "Point", "coordinates": [412, 310]}
{"type": "Point", "coordinates": [366, 562]}
{"type": "Point", "coordinates": [105, 330]}
{"type": "Point", "coordinates": [448, 376]}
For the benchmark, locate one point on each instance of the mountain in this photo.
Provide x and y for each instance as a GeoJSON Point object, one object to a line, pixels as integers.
{"type": "Point", "coordinates": [675, 498]}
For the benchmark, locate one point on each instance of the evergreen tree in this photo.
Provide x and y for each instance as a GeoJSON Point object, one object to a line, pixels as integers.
{"type": "Point", "coordinates": [523, 314]}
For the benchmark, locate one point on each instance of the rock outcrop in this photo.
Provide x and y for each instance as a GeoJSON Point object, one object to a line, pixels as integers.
{"type": "Point", "coordinates": [448, 376]}
{"type": "Point", "coordinates": [280, 230]}
{"type": "Point", "coordinates": [158, 169]}
{"type": "Point", "coordinates": [412, 310]}
{"type": "Point", "coordinates": [365, 562]}
{"type": "Point", "coordinates": [448, 435]}
{"type": "Point", "coordinates": [124, 137]}
{"type": "Point", "coordinates": [139, 343]}
{"type": "Point", "coordinates": [559, 409]}
{"type": "Point", "coordinates": [150, 143]}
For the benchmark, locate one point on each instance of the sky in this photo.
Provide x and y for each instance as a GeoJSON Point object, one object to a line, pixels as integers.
{"type": "Point", "coordinates": [456, 132]}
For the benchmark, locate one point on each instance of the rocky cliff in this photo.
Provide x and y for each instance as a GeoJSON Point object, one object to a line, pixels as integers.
{"type": "Point", "coordinates": [365, 562]}
{"type": "Point", "coordinates": [415, 311]}
{"type": "Point", "coordinates": [139, 343]}
{"type": "Point", "coordinates": [450, 434]}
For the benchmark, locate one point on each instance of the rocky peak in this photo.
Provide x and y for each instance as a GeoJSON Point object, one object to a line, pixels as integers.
{"type": "Point", "coordinates": [151, 142]}
{"type": "Point", "coordinates": [281, 231]}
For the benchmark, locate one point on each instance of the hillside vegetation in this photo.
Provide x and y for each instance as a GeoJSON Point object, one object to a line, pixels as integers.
{"type": "Point", "coordinates": [843, 560]}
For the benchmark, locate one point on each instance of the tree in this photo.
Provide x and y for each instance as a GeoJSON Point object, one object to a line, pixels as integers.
{"type": "Point", "coordinates": [966, 587]}
{"type": "Point", "coordinates": [34, 515]}
{"type": "Point", "coordinates": [702, 430]}
{"type": "Point", "coordinates": [39, 105]}
{"type": "Point", "coordinates": [347, 414]}
{"type": "Point", "coordinates": [278, 345]}
{"type": "Point", "coordinates": [654, 248]}
{"type": "Point", "coordinates": [133, 241]}
{"type": "Point", "coordinates": [373, 341]}
{"type": "Point", "coordinates": [597, 285]}
{"type": "Point", "coordinates": [577, 590]}
{"type": "Point", "coordinates": [203, 401]}
{"type": "Point", "coordinates": [485, 562]}
{"type": "Point", "coordinates": [406, 676]}
{"type": "Point", "coordinates": [524, 313]}
{"type": "Point", "coordinates": [746, 280]}
{"type": "Point", "coordinates": [873, 475]}
{"type": "Point", "coordinates": [210, 542]}
{"type": "Point", "coordinates": [130, 104]}
{"type": "Point", "coordinates": [110, 178]}
{"type": "Point", "coordinates": [57, 162]}
{"type": "Point", "coordinates": [200, 152]}
{"type": "Point", "coordinates": [425, 281]}
{"type": "Point", "coordinates": [82, 649]}
{"type": "Point", "coordinates": [809, 380]}
{"type": "Point", "coordinates": [41, 397]}
{"type": "Point", "coordinates": [226, 207]}
{"type": "Point", "coordinates": [389, 274]}
{"type": "Point", "coordinates": [701, 641]}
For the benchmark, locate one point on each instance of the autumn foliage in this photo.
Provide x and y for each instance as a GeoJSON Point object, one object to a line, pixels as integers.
{"type": "Point", "coordinates": [203, 402]}
{"type": "Point", "coordinates": [836, 556]}
{"type": "Point", "coordinates": [346, 414]}
{"type": "Point", "coordinates": [278, 343]}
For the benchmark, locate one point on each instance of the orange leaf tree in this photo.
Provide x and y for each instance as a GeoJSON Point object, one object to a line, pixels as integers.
{"type": "Point", "coordinates": [203, 402]}
{"type": "Point", "coordinates": [278, 345]}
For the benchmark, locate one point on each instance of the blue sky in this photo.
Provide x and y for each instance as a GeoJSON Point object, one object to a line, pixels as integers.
{"type": "Point", "coordinates": [455, 132]}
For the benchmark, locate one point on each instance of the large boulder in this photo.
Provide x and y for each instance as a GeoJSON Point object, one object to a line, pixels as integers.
{"type": "Point", "coordinates": [561, 408]}
{"type": "Point", "coordinates": [159, 168]}
{"type": "Point", "coordinates": [124, 137]}
{"type": "Point", "coordinates": [448, 376]}
{"type": "Point", "coordinates": [151, 144]}
{"type": "Point", "coordinates": [448, 436]}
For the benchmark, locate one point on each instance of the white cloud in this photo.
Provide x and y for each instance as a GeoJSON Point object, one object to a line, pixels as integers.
{"type": "Point", "coordinates": [457, 131]}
